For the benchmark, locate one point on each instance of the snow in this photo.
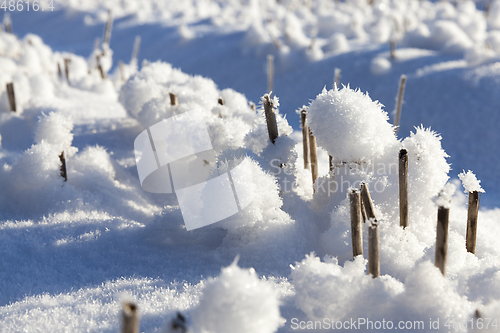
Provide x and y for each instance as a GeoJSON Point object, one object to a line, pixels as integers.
{"type": "Point", "coordinates": [237, 298]}
{"type": "Point", "coordinates": [443, 199]}
{"type": "Point", "coordinates": [349, 125]}
{"type": "Point", "coordinates": [344, 292]}
{"type": "Point", "coordinates": [428, 167]}
{"type": "Point", "coordinates": [470, 182]}
{"type": "Point", "coordinates": [55, 129]}
{"type": "Point", "coordinates": [380, 66]}
{"type": "Point", "coordinates": [73, 251]}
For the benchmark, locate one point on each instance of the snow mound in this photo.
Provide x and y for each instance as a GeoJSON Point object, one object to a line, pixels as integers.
{"type": "Point", "coordinates": [380, 66]}
{"type": "Point", "coordinates": [146, 97]}
{"type": "Point", "coordinates": [288, 27]}
{"type": "Point", "coordinates": [339, 292]}
{"type": "Point", "coordinates": [237, 301]}
{"type": "Point", "coordinates": [339, 295]}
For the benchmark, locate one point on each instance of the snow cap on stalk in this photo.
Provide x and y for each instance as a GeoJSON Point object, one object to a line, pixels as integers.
{"type": "Point", "coordinates": [443, 199]}
{"type": "Point", "coordinates": [349, 125]}
{"type": "Point", "coordinates": [470, 182]}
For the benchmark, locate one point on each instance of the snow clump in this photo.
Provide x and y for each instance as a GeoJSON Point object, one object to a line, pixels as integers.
{"type": "Point", "coordinates": [349, 125]}
{"type": "Point", "coordinates": [470, 182]}
{"type": "Point", "coordinates": [237, 301]}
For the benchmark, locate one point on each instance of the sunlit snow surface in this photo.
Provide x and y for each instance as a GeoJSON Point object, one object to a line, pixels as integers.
{"type": "Point", "coordinates": [72, 251]}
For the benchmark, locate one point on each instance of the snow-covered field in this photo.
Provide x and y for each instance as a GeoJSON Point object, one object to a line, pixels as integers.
{"type": "Point", "coordinates": [71, 252]}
